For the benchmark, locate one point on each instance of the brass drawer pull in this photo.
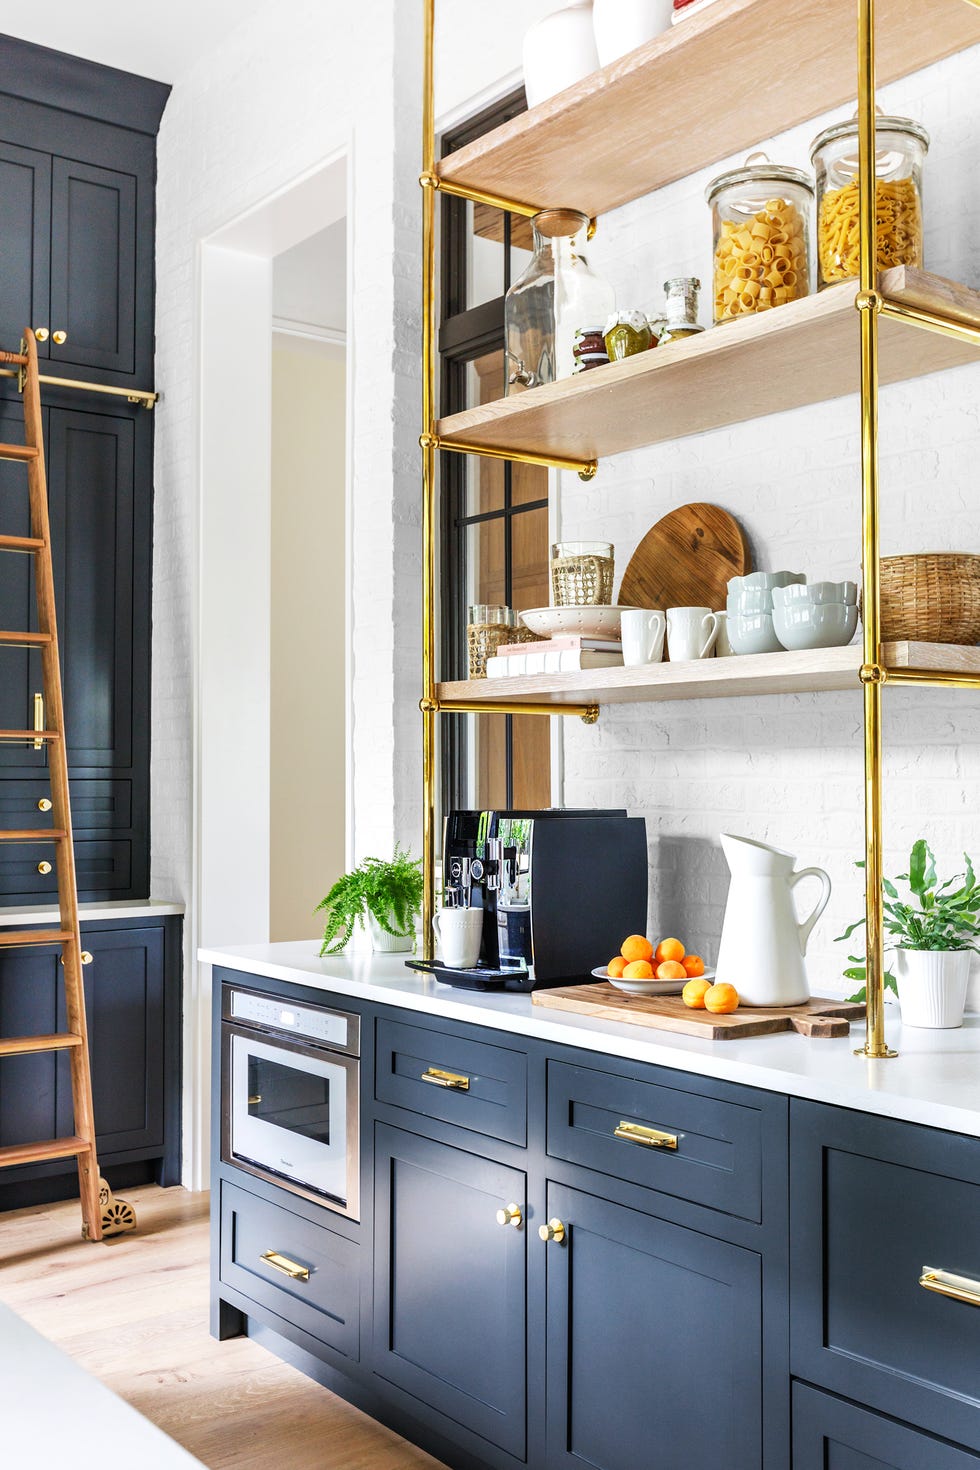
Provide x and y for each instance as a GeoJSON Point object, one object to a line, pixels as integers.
{"type": "Point", "coordinates": [286, 1266]}
{"type": "Point", "coordinates": [945, 1283]}
{"type": "Point", "coordinates": [650, 1137]}
{"type": "Point", "coordinates": [438, 1078]}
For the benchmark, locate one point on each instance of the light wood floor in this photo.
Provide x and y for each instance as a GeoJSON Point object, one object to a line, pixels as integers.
{"type": "Point", "coordinates": [134, 1312]}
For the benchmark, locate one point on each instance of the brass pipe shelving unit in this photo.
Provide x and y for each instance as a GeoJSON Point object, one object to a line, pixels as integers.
{"type": "Point", "coordinates": [872, 304]}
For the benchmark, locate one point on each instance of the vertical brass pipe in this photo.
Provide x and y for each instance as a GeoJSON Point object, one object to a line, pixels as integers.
{"type": "Point", "coordinates": [428, 485]}
{"type": "Point", "coordinates": [868, 303]}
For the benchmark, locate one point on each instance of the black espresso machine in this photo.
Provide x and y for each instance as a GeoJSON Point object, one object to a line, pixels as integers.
{"type": "Point", "coordinates": [560, 890]}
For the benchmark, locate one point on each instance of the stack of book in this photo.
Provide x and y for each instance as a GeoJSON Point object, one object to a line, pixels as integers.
{"type": "Point", "coordinates": [564, 655]}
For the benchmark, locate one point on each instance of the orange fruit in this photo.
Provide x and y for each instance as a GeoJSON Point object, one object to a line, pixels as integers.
{"type": "Point", "coordinates": [694, 992]}
{"type": "Point", "coordinates": [638, 970]}
{"type": "Point", "coordinates": [693, 964]}
{"type": "Point", "coordinates": [721, 999]}
{"type": "Point", "coordinates": [637, 948]}
{"type": "Point", "coordinates": [669, 949]}
{"type": "Point", "coordinates": [671, 970]}
{"type": "Point", "coordinates": [616, 966]}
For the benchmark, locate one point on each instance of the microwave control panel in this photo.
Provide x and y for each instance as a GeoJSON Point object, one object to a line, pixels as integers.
{"type": "Point", "coordinates": [313, 1023]}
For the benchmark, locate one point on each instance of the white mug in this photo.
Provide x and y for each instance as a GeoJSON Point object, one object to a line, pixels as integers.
{"type": "Point", "coordinates": [691, 632]}
{"type": "Point", "coordinates": [460, 934]}
{"type": "Point", "coordinates": [723, 644]}
{"type": "Point", "coordinates": [643, 632]}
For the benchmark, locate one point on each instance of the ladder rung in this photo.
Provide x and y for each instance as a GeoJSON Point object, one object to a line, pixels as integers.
{"type": "Point", "coordinates": [28, 737]}
{"type": "Point", "coordinates": [36, 1153]}
{"type": "Point", "coordinates": [21, 543]}
{"type": "Point", "coordinates": [17, 1046]}
{"type": "Point", "coordinates": [21, 938]}
{"type": "Point", "coordinates": [41, 834]}
{"type": "Point", "coordinates": [18, 451]}
{"type": "Point", "coordinates": [25, 640]}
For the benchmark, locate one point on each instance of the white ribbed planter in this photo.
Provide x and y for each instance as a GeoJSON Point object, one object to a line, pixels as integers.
{"type": "Point", "coordinates": [385, 943]}
{"type": "Point", "coordinates": [932, 986]}
{"type": "Point", "coordinates": [623, 25]}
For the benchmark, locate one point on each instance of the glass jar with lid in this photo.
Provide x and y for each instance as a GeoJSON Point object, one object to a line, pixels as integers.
{"type": "Point", "coordinates": [762, 217]}
{"type": "Point", "coordinates": [900, 149]}
{"type": "Point", "coordinates": [557, 296]}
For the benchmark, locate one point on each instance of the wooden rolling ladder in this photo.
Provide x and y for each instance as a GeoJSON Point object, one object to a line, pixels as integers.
{"type": "Point", "coordinates": [101, 1214]}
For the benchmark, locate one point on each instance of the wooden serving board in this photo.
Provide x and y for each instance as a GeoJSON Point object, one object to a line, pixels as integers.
{"type": "Point", "coordinates": [686, 559]}
{"type": "Point", "coordinates": [669, 1013]}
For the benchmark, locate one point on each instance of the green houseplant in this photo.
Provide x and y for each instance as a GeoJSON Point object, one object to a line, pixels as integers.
{"type": "Point", "coordinates": [933, 935]}
{"type": "Point", "coordinates": [387, 894]}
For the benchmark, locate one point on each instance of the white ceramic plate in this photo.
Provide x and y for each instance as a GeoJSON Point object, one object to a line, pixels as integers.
{"type": "Point", "coordinates": [648, 987]}
{"type": "Point", "coordinates": [590, 622]}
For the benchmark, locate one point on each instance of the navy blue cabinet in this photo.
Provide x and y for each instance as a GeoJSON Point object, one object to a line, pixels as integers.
{"type": "Point", "coordinates": [654, 1339]}
{"type": "Point", "coordinates": [831, 1434]}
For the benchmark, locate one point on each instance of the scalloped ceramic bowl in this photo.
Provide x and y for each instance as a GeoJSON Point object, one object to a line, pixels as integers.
{"type": "Point", "coordinates": [753, 633]}
{"type": "Point", "coordinates": [815, 594]}
{"type": "Point", "coordinates": [590, 622]}
{"type": "Point", "coordinates": [766, 580]}
{"type": "Point", "coordinates": [829, 625]}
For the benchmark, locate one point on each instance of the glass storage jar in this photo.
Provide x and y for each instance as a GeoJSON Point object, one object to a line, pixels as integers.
{"type": "Point", "coordinates": [762, 217]}
{"type": "Point", "coordinates": [900, 149]}
{"type": "Point", "coordinates": [556, 296]}
{"type": "Point", "coordinates": [582, 573]}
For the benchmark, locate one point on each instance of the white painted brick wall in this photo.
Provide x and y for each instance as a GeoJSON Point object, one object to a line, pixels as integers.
{"type": "Point", "coordinates": [789, 769]}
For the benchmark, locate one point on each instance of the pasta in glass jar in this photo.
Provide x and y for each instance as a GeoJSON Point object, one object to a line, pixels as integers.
{"type": "Point", "coordinates": [900, 149]}
{"type": "Point", "coordinates": [762, 221]}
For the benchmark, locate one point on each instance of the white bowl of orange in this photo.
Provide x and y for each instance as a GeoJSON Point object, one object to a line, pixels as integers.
{"type": "Point", "coordinates": [644, 968]}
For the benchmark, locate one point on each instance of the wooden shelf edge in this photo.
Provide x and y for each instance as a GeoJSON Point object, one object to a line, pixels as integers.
{"type": "Point", "coordinates": [817, 671]}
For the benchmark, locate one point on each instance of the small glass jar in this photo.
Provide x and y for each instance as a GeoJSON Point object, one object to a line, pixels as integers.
{"type": "Point", "coordinates": [681, 307]}
{"type": "Point", "coordinates": [762, 218]}
{"type": "Point", "coordinates": [556, 296]}
{"type": "Point", "coordinates": [900, 149]}
{"type": "Point", "coordinates": [488, 627]}
{"type": "Point", "coordinates": [582, 574]}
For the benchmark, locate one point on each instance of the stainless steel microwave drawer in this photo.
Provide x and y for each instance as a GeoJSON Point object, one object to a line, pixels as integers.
{"type": "Point", "coordinates": [675, 1141]}
{"type": "Point", "coordinates": [304, 1273]}
{"type": "Point", "coordinates": [885, 1230]}
{"type": "Point", "coordinates": [474, 1084]}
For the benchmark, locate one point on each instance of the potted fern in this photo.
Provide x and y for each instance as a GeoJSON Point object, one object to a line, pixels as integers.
{"type": "Point", "coordinates": [933, 937]}
{"type": "Point", "coordinates": [387, 894]}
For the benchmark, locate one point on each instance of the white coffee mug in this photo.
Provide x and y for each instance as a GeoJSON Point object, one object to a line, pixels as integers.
{"type": "Point", "coordinates": [643, 632]}
{"type": "Point", "coordinates": [691, 632]}
{"type": "Point", "coordinates": [460, 933]}
{"type": "Point", "coordinates": [723, 644]}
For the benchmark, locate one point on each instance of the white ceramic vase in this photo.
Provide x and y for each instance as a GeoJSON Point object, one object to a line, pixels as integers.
{"type": "Point", "coordinates": [932, 986]}
{"type": "Point", "coordinates": [622, 25]}
{"type": "Point", "coordinates": [559, 51]}
{"type": "Point", "coordinates": [384, 943]}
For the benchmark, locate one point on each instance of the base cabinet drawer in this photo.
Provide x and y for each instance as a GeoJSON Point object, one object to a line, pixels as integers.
{"type": "Point", "coordinates": [474, 1084]}
{"type": "Point", "coordinates": [875, 1203]}
{"type": "Point", "coordinates": [831, 1434]}
{"type": "Point", "coordinates": [301, 1271]}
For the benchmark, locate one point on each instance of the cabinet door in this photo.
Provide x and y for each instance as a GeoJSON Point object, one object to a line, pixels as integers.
{"type": "Point", "coordinates": [93, 265]}
{"type": "Point", "coordinates": [25, 192]}
{"type": "Point", "coordinates": [654, 1343]}
{"type": "Point", "coordinates": [450, 1296]}
{"type": "Point", "coordinates": [831, 1434]}
{"type": "Point", "coordinates": [20, 670]}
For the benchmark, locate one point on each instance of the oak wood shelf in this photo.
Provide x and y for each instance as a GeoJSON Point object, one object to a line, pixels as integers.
{"type": "Point", "coordinates": [801, 353]}
{"type": "Point", "coordinates": [738, 72]}
{"type": "Point", "coordinates": [814, 671]}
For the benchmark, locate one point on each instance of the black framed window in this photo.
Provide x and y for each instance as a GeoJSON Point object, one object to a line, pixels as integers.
{"type": "Point", "coordinates": [494, 515]}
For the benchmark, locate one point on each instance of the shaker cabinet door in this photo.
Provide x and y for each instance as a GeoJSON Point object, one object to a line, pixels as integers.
{"type": "Point", "coordinates": [654, 1350]}
{"type": "Point", "coordinates": [93, 265]}
{"type": "Point", "coordinates": [831, 1434]}
{"type": "Point", "coordinates": [20, 669]}
{"type": "Point", "coordinates": [25, 195]}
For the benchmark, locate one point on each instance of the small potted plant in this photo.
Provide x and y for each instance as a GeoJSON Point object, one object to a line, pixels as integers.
{"type": "Point", "coordinates": [933, 937]}
{"type": "Point", "coordinates": [388, 894]}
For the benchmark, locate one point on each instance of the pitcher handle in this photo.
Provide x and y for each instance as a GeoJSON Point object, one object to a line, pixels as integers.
{"type": "Point", "coordinates": [806, 927]}
{"type": "Point", "coordinates": [435, 925]}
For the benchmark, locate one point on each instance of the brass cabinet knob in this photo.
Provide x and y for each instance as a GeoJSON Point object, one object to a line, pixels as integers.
{"type": "Point", "coordinates": [510, 1215]}
{"type": "Point", "coordinates": [86, 957]}
{"type": "Point", "coordinates": [41, 334]}
{"type": "Point", "coordinates": [554, 1230]}
{"type": "Point", "coordinates": [44, 805]}
{"type": "Point", "coordinates": [44, 869]}
{"type": "Point", "coordinates": [59, 338]}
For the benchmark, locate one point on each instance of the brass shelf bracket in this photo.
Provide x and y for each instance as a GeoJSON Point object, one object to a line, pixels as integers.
{"type": "Point", "coordinates": [929, 321]}
{"type": "Point", "coordinates": [585, 469]}
{"type": "Point", "coordinates": [587, 713]}
{"type": "Point", "coordinates": [131, 395]}
{"type": "Point", "coordinates": [429, 179]}
{"type": "Point", "coordinates": [931, 678]}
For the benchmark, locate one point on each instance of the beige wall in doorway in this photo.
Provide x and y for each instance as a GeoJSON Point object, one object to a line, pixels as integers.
{"type": "Point", "coordinates": [309, 754]}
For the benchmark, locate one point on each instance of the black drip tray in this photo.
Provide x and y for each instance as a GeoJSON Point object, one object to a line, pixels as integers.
{"type": "Point", "coordinates": [480, 977]}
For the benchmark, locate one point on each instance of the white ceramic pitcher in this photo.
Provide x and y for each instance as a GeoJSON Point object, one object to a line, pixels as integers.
{"type": "Point", "coordinates": [763, 943]}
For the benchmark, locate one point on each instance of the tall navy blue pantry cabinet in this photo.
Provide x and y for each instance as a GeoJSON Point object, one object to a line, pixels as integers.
{"type": "Point", "coordinates": [77, 182]}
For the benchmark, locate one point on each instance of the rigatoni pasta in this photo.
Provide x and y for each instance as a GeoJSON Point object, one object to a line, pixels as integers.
{"type": "Point", "coordinates": [760, 261]}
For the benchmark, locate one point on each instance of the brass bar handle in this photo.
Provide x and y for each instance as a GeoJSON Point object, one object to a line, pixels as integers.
{"type": "Point", "coordinates": [289, 1268]}
{"type": "Point", "coordinates": [39, 718]}
{"type": "Point", "coordinates": [439, 1078]}
{"type": "Point", "coordinates": [946, 1283]}
{"type": "Point", "coordinates": [649, 1137]}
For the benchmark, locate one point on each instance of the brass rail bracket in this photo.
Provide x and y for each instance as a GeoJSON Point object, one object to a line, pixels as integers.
{"type": "Point", "coordinates": [873, 674]}
{"type": "Point", "coordinates": [585, 469]}
{"type": "Point", "coordinates": [587, 713]}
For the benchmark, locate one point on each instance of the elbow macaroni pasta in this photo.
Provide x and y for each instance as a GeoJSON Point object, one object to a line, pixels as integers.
{"type": "Point", "coordinates": [898, 219]}
{"type": "Point", "coordinates": [760, 262]}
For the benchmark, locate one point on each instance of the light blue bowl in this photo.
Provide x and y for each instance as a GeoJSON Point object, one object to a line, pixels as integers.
{"type": "Point", "coordinates": [753, 633]}
{"type": "Point", "coordinates": [815, 594]}
{"type": "Point", "coordinates": [828, 625]}
{"type": "Point", "coordinates": [765, 580]}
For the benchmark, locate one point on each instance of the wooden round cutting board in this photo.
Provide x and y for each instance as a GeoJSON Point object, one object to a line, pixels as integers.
{"type": "Point", "coordinates": [686, 559]}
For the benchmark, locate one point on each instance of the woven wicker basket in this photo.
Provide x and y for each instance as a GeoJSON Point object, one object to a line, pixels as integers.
{"type": "Point", "coordinates": [483, 640]}
{"type": "Point", "coordinates": [580, 581]}
{"type": "Point", "coordinates": [932, 598]}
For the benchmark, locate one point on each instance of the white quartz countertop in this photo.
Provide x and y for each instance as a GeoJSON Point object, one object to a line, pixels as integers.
{"type": "Point", "coordinates": [935, 1079]}
{"type": "Point", "coordinates": [125, 908]}
{"type": "Point", "coordinates": [55, 1414]}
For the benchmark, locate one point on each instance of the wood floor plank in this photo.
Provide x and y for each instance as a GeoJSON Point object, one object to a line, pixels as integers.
{"type": "Point", "coordinates": [133, 1311]}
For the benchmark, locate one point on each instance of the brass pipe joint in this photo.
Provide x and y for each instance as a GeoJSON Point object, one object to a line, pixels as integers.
{"type": "Point", "coordinates": [589, 472]}
{"type": "Point", "coordinates": [428, 180]}
{"type": "Point", "coordinates": [591, 716]}
{"type": "Point", "coordinates": [429, 706]}
{"type": "Point", "coordinates": [873, 674]}
{"type": "Point", "coordinates": [869, 301]}
{"type": "Point", "coordinates": [428, 441]}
